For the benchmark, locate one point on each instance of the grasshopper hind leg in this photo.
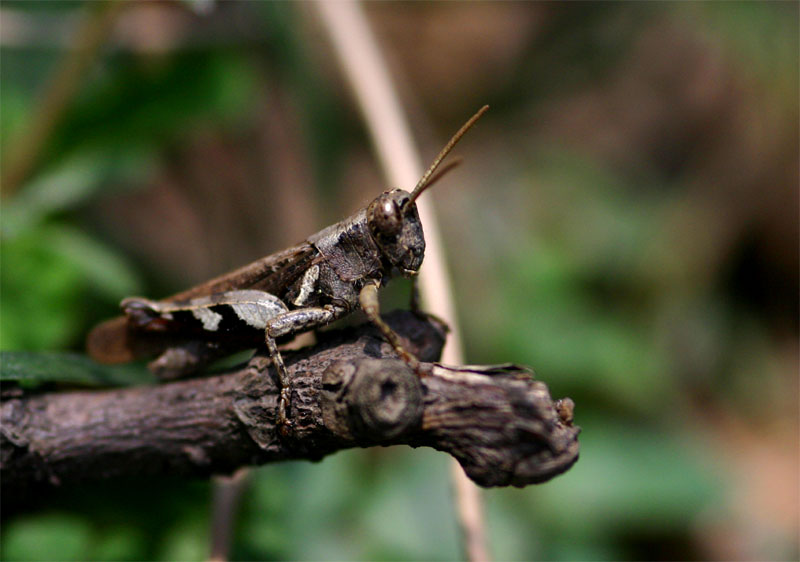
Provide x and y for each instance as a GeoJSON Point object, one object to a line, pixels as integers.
{"type": "Point", "coordinates": [246, 312]}
{"type": "Point", "coordinates": [293, 322]}
{"type": "Point", "coordinates": [284, 423]}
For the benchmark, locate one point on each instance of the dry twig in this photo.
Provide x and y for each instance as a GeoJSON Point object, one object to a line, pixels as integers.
{"type": "Point", "coordinates": [347, 391]}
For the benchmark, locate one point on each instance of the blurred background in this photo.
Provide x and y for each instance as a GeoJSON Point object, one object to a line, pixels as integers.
{"type": "Point", "coordinates": [625, 221]}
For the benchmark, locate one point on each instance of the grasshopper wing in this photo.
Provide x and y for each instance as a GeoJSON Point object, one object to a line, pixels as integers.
{"type": "Point", "coordinates": [115, 341]}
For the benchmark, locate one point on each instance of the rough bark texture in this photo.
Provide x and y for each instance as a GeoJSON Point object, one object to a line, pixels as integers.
{"type": "Point", "coordinates": [347, 391]}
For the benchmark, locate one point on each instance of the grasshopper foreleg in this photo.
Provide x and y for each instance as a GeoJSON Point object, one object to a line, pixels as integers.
{"type": "Point", "coordinates": [368, 298]}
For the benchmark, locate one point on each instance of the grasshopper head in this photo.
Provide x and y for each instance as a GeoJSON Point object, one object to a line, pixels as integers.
{"type": "Point", "coordinates": [393, 219]}
{"type": "Point", "coordinates": [394, 224]}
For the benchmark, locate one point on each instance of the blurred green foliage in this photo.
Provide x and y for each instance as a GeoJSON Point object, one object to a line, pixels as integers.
{"type": "Point", "coordinates": [609, 269]}
{"type": "Point", "coordinates": [33, 368]}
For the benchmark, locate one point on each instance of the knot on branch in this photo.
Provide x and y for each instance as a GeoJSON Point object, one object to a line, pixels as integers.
{"type": "Point", "coordinates": [371, 400]}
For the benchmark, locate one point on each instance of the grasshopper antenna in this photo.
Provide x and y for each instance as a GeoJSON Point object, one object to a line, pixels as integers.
{"type": "Point", "coordinates": [454, 163]}
{"type": "Point", "coordinates": [426, 181]}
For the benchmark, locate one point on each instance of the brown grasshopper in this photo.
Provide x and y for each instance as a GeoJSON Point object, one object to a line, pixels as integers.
{"type": "Point", "coordinates": [324, 278]}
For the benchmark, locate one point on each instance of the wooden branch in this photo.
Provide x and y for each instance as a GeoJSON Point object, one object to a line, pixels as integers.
{"type": "Point", "coordinates": [347, 391]}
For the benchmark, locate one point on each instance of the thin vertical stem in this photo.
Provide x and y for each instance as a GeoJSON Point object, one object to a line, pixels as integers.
{"type": "Point", "coordinates": [366, 70]}
{"type": "Point", "coordinates": [227, 493]}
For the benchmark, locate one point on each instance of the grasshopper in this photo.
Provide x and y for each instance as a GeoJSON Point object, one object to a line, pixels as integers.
{"type": "Point", "coordinates": [324, 278]}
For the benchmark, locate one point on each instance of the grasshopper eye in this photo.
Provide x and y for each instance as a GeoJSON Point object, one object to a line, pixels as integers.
{"type": "Point", "coordinates": [385, 217]}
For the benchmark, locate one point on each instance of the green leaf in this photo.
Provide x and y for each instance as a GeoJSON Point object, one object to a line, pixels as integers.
{"type": "Point", "coordinates": [41, 294]}
{"type": "Point", "coordinates": [45, 279]}
{"type": "Point", "coordinates": [70, 183]}
{"type": "Point", "coordinates": [32, 368]}
{"type": "Point", "coordinates": [136, 105]}
{"type": "Point", "coordinates": [101, 268]}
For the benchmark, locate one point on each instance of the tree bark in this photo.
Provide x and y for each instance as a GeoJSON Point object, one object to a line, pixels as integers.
{"type": "Point", "coordinates": [349, 390]}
